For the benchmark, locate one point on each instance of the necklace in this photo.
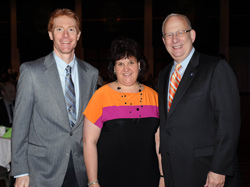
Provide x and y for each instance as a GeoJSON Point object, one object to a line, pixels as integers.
{"type": "Point", "coordinates": [127, 102]}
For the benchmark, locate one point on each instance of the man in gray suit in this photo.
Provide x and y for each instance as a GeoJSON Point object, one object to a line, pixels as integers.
{"type": "Point", "coordinates": [46, 142]}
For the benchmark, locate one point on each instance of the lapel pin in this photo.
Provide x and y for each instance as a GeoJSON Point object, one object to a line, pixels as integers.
{"type": "Point", "coordinates": [192, 74]}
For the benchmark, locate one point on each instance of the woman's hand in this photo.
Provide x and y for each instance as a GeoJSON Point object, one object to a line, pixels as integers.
{"type": "Point", "coordinates": [161, 182]}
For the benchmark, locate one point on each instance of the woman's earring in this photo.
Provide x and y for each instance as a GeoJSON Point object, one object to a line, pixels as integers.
{"type": "Point", "coordinates": [139, 69]}
{"type": "Point", "coordinates": [114, 72]}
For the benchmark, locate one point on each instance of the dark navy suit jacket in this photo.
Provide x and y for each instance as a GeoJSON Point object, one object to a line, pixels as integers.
{"type": "Point", "coordinates": [200, 132]}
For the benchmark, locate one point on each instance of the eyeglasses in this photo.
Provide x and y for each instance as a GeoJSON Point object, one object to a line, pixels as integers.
{"type": "Point", "coordinates": [177, 34]}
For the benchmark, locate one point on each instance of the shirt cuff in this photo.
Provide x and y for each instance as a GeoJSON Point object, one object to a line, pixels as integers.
{"type": "Point", "coordinates": [21, 175]}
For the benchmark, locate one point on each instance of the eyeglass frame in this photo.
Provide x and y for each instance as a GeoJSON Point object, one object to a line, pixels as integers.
{"type": "Point", "coordinates": [177, 33]}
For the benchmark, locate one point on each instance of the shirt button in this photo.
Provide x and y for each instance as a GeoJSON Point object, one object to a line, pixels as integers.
{"type": "Point", "coordinates": [71, 133]}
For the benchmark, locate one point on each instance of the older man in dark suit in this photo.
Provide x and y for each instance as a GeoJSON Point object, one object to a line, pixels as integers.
{"type": "Point", "coordinates": [199, 113]}
{"type": "Point", "coordinates": [52, 93]}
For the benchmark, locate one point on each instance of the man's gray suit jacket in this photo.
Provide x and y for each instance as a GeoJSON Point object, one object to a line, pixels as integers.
{"type": "Point", "coordinates": [42, 138]}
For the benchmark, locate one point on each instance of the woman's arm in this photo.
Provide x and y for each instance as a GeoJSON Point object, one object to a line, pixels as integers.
{"type": "Point", "coordinates": [157, 143]}
{"type": "Point", "coordinates": [91, 135]}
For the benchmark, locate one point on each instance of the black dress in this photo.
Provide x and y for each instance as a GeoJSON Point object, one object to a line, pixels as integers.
{"type": "Point", "coordinates": [127, 153]}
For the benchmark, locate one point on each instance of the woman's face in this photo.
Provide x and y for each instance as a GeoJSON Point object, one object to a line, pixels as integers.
{"type": "Point", "coordinates": [127, 70]}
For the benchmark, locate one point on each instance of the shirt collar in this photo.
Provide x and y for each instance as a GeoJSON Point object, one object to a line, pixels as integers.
{"type": "Point", "coordinates": [62, 65]}
{"type": "Point", "coordinates": [185, 62]}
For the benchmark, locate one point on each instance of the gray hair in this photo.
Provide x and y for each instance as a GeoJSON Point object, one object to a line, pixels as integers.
{"type": "Point", "coordinates": [175, 14]}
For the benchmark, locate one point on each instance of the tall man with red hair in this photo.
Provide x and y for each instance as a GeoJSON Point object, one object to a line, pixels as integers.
{"type": "Point", "coordinates": [46, 143]}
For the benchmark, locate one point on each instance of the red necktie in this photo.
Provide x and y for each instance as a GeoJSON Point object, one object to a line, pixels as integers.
{"type": "Point", "coordinates": [174, 83]}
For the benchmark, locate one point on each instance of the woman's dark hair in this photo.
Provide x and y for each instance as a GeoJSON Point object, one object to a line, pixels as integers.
{"type": "Point", "coordinates": [123, 48]}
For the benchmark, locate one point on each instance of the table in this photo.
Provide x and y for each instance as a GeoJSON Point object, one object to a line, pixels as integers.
{"type": "Point", "coordinates": [5, 152]}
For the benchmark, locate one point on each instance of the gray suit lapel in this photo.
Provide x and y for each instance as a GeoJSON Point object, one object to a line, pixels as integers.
{"type": "Point", "coordinates": [83, 91]}
{"type": "Point", "coordinates": [185, 81]}
{"type": "Point", "coordinates": [54, 81]}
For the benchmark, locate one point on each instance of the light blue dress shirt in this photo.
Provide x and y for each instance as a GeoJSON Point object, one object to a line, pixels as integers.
{"type": "Point", "coordinates": [61, 65]}
{"type": "Point", "coordinates": [184, 65]}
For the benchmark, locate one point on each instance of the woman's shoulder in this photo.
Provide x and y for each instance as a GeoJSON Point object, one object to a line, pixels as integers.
{"type": "Point", "coordinates": [149, 90]}
{"type": "Point", "coordinates": [102, 89]}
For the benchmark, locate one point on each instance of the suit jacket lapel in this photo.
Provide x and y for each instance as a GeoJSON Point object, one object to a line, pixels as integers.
{"type": "Point", "coordinates": [185, 81]}
{"type": "Point", "coordinates": [83, 94]}
{"type": "Point", "coordinates": [165, 89]}
{"type": "Point", "coordinates": [54, 81]}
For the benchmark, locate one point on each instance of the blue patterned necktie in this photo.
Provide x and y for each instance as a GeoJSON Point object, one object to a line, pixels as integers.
{"type": "Point", "coordinates": [70, 97]}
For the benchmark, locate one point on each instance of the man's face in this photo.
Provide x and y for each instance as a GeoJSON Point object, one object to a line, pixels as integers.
{"type": "Point", "coordinates": [9, 92]}
{"type": "Point", "coordinates": [179, 46]}
{"type": "Point", "coordinates": [64, 35]}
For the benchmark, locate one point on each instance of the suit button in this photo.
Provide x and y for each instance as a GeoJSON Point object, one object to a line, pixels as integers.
{"type": "Point", "coordinates": [168, 153]}
{"type": "Point", "coordinates": [169, 133]}
{"type": "Point", "coordinates": [71, 133]}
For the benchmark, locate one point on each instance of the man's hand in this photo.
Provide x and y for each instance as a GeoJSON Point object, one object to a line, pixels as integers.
{"type": "Point", "coordinates": [22, 181]}
{"type": "Point", "coordinates": [215, 180]}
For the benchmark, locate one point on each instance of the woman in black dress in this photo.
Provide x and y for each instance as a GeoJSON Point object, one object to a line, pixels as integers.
{"type": "Point", "coordinates": [121, 135]}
